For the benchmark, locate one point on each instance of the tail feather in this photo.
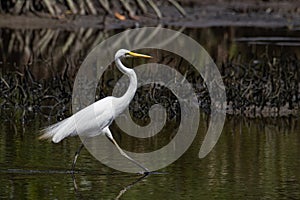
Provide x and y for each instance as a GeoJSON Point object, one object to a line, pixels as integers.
{"type": "Point", "coordinates": [59, 131]}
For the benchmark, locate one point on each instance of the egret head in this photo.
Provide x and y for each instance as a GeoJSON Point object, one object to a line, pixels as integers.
{"type": "Point", "coordinates": [126, 53]}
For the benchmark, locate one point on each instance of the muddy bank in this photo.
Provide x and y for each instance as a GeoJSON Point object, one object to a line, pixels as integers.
{"type": "Point", "coordinates": [204, 14]}
{"type": "Point", "coordinates": [262, 88]}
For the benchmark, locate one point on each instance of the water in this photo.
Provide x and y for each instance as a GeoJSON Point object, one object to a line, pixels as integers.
{"type": "Point", "coordinates": [254, 158]}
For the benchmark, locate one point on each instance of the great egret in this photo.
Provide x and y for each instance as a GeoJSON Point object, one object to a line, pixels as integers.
{"type": "Point", "coordinates": [105, 110]}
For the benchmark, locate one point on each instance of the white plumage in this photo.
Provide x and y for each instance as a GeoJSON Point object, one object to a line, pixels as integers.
{"type": "Point", "coordinates": [88, 122]}
{"type": "Point", "coordinates": [96, 118]}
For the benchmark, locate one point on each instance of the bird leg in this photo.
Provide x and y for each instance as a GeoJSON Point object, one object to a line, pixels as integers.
{"type": "Point", "coordinates": [76, 156]}
{"type": "Point", "coordinates": [110, 137]}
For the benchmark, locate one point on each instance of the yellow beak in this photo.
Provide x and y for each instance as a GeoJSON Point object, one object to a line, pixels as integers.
{"type": "Point", "coordinates": [139, 55]}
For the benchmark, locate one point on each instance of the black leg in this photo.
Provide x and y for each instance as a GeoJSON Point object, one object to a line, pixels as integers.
{"type": "Point", "coordinates": [110, 137]}
{"type": "Point", "coordinates": [76, 156]}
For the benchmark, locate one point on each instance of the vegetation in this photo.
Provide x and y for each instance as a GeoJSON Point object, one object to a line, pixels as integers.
{"type": "Point", "coordinates": [89, 7]}
{"type": "Point", "coordinates": [266, 86]}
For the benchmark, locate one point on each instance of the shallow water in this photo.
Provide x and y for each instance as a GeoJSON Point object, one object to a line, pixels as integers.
{"type": "Point", "coordinates": [253, 159]}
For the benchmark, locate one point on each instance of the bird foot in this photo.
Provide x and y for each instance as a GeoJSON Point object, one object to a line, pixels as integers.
{"type": "Point", "coordinates": [147, 173]}
{"type": "Point", "coordinates": [144, 172]}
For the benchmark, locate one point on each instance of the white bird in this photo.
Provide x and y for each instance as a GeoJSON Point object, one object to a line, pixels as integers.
{"type": "Point", "coordinates": [98, 116]}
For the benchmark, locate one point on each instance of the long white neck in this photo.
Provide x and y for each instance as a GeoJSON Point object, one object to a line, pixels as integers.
{"type": "Point", "coordinates": [129, 94]}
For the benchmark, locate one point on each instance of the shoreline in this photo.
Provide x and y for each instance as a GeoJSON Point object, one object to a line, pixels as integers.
{"type": "Point", "coordinates": [272, 15]}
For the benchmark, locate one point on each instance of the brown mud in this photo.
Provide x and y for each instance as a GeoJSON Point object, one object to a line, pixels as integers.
{"type": "Point", "coordinates": [204, 14]}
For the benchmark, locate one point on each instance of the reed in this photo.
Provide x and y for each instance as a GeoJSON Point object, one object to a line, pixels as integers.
{"type": "Point", "coordinates": [60, 8]}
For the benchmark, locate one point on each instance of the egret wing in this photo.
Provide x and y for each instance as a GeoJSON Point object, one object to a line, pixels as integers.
{"type": "Point", "coordinates": [87, 122]}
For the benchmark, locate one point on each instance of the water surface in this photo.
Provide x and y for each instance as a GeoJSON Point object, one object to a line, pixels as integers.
{"type": "Point", "coordinates": [253, 159]}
